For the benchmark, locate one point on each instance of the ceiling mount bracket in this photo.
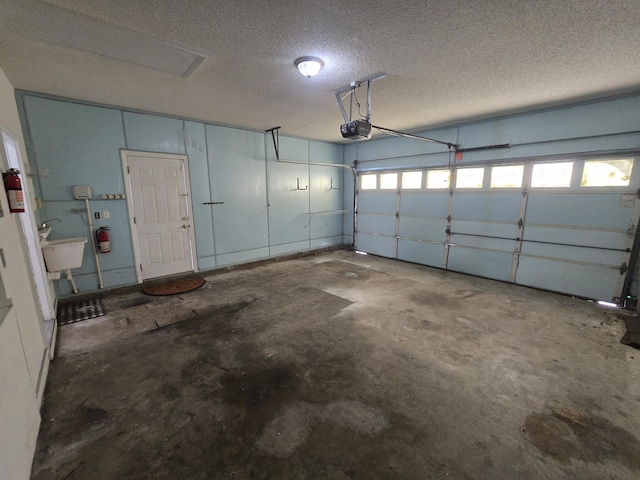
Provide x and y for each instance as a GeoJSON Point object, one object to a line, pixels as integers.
{"type": "Point", "coordinates": [351, 88]}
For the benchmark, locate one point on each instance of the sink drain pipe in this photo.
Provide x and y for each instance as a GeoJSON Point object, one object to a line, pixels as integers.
{"type": "Point", "coordinates": [70, 278]}
{"type": "Point", "coordinates": [93, 242]}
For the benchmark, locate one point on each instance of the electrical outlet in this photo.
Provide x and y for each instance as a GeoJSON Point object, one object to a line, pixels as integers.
{"type": "Point", "coordinates": [106, 214]}
{"type": "Point", "coordinates": [96, 215]}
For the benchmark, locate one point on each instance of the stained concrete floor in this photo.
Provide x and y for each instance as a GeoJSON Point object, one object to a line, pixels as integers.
{"type": "Point", "coordinates": [342, 366]}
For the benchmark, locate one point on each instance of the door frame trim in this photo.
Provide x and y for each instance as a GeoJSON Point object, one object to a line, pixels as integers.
{"type": "Point", "coordinates": [124, 155]}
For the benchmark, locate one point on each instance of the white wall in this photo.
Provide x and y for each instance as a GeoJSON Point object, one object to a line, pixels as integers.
{"type": "Point", "coordinates": [23, 352]}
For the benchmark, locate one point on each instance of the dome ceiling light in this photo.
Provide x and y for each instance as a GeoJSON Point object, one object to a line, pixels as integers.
{"type": "Point", "coordinates": [309, 66]}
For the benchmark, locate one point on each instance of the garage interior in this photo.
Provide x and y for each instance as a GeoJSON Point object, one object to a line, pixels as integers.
{"type": "Point", "coordinates": [445, 299]}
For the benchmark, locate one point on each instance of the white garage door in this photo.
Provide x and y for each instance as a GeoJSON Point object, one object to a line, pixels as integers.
{"type": "Point", "coordinates": [565, 225]}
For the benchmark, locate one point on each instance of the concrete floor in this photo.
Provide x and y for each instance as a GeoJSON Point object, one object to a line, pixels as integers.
{"type": "Point", "coordinates": [342, 366]}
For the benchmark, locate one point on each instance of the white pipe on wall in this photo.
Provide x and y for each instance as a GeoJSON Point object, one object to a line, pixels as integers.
{"type": "Point", "coordinates": [93, 242]}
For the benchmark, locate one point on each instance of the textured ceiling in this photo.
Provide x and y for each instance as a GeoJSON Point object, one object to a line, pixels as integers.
{"type": "Point", "coordinates": [446, 61]}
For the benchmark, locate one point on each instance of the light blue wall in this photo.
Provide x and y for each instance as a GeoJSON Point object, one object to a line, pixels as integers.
{"type": "Point", "coordinates": [237, 176]}
{"type": "Point", "coordinates": [80, 145]}
{"type": "Point", "coordinates": [589, 127]}
{"type": "Point", "coordinates": [262, 215]}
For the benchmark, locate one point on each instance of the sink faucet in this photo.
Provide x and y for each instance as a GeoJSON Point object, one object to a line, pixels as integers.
{"type": "Point", "coordinates": [44, 224]}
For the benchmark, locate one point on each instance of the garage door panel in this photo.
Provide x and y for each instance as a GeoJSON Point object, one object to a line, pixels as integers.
{"type": "Point", "coordinates": [500, 230]}
{"type": "Point", "coordinates": [575, 279]}
{"type": "Point", "coordinates": [425, 204]}
{"type": "Point", "coordinates": [424, 253]}
{"type": "Point", "coordinates": [377, 202]}
{"type": "Point", "coordinates": [384, 224]}
{"type": "Point", "coordinates": [484, 242]}
{"type": "Point", "coordinates": [376, 244]}
{"type": "Point", "coordinates": [500, 207]}
{"type": "Point", "coordinates": [593, 210]}
{"type": "Point", "coordinates": [613, 258]}
{"type": "Point", "coordinates": [430, 229]}
{"type": "Point", "coordinates": [480, 262]}
{"type": "Point", "coordinates": [581, 237]}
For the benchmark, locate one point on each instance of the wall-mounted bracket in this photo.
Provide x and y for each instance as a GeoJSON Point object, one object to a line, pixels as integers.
{"type": "Point", "coordinates": [298, 185]}
{"type": "Point", "coordinates": [276, 140]}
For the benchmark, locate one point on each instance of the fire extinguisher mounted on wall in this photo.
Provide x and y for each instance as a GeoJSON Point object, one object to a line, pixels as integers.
{"type": "Point", "coordinates": [102, 237]}
{"type": "Point", "coordinates": [13, 186]}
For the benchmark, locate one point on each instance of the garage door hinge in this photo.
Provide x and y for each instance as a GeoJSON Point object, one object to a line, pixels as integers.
{"type": "Point", "coordinates": [520, 223]}
{"type": "Point", "coordinates": [623, 268]}
{"type": "Point", "coordinates": [397, 214]}
{"type": "Point", "coordinates": [449, 218]}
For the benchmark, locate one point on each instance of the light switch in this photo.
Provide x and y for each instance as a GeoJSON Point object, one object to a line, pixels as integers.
{"type": "Point", "coordinates": [105, 214]}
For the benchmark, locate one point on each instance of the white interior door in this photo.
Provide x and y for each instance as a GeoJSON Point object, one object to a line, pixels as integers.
{"type": "Point", "coordinates": [160, 213]}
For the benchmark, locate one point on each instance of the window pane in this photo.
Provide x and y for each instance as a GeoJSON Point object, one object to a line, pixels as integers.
{"type": "Point", "coordinates": [368, 182]}
{"type": "Point", "coordinates": [552, 174]}
{"type": "Point", "coordinates": [388, 181]}
{"type": "Point", "coordinates": [607, 173]}
{"type": "Point", "coordinates": [508, 176]}
{"type": "Point", "coordinates": [438, 179]}
{"type": "Point", "coordinates": [469, 177]}
{"type": "Point", "coordinates": [411, 180]}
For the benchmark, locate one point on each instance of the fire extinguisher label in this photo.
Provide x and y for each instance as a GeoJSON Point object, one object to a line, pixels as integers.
{"type": "Point", "coordinates": [16, 200]}
{"type": "Point", "coordinates": [104, 247]}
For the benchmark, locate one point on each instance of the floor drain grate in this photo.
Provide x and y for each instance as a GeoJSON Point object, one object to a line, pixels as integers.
{"type": "Point", "coordinates": [78, 311]}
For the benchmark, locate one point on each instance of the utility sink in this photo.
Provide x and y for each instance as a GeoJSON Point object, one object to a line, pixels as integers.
{"type": "Point", "coordinates": [64, 254]}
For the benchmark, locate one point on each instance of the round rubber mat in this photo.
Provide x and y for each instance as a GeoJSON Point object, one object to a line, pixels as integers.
{"type": "Point", "coordinates": [175, 287]}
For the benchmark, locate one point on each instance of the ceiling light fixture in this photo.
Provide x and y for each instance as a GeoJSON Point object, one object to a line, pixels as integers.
{"type": "Point", "coordinates": [309, 66]}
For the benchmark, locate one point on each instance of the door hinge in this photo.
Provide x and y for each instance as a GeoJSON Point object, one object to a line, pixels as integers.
{"type": "Point", "coordinates": [134, 220]}
{"type": "Point", "coordinates": [140, 267]}
{"type": "Point", "coordinates": [128, 169]}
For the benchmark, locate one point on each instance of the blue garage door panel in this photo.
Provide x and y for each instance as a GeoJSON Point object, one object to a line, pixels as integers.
{"type": "Point", "coordinates": [500, 207]}
{"type": "Point", "coordinates": [578, 210]}
{"type": "Point", "coordinates": [479, 262]}
{"type": "Point", "coordinates": [377, 202]}
{"type": "Point", "coordinates": [581, 280]}
{"type": "Point", "coordinates": [498, 230]}
{"type": "Point", "coordinates": [421, 252]}
{"type": "Point", "coordinates": [572, 236]}
{"type": "Point", "coordinates": [502, 244]}
{"type": "Point", "coordinates": [376, 244]}
{"type": "Point", "coordinates": [385, 224]}
{"type": "Point", "coordinates": [613, 258]}
{"type": "Point", "coordinates": [431, 229]}
{"type": "Point", "coordinates": [425, 204]}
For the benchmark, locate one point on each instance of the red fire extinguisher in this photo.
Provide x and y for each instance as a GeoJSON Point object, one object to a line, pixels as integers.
{"type": "Point", "coordinates": [102, 236]}
{"type": "Point", "coordinates": [13, 186]}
